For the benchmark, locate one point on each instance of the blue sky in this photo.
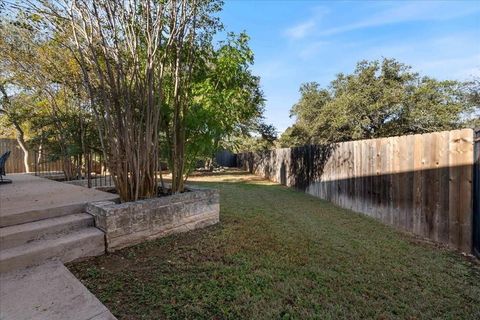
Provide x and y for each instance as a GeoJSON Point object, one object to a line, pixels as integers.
{"type": "Point", "coordinates": [300, 41]}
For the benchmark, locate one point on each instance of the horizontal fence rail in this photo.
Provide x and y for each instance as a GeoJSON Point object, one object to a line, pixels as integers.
{"type": "Point", "coordinates": [418, 183]}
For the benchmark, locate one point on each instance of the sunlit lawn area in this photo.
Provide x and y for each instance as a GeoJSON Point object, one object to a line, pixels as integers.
{"type": "Point", "coordinates": [281, 254]}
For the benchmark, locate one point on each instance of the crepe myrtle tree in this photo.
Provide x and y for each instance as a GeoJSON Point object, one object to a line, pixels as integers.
{"type": "Point", "coordinates": [189, 57]}
{"type": "Point", "coordinates": [137, 60]}
{"type": "Point", "coordinates": [157, 85]}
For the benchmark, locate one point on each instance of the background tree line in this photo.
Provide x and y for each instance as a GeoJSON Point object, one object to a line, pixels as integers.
{"type": "Point", "coordinates": [380, 99]}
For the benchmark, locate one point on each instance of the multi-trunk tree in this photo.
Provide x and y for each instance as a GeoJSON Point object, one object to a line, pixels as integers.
{"type": "Point", "coordinates": [153, 81]}
{"type": "Point", "coordinates": [137, 60]}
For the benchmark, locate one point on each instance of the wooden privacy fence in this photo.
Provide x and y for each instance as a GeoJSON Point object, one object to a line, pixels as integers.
{"type": "Point", "coordinates": [419, 183]}
{"type": "Point", "coordinates": [476, 195]}
{"type": "Point", "coordinates": [36, 161]}
{"type": "Point", "coordinates": [225, 158]}
{"type": "Point", "coordinates": [15, 163]}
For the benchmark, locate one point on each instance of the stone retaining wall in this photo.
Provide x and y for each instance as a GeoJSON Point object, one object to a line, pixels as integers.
{"type": "Point", "coordinates": [130, 223]}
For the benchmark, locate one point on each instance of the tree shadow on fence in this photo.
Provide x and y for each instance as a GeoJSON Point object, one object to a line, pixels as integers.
{"type": "Point", "coordinates": [433, 202]}
{"type": "Point", "coordinates": [299, 166]}
{"type": "Point", "coordinates": [308, 164]}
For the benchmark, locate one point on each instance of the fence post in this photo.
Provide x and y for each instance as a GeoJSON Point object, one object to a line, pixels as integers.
{"type": "Point", "coordinates": [89, 168]}
{"type": "Point", "coordinates": [36, 162]}
{"type": "Point", "coordinates": [476, 194]}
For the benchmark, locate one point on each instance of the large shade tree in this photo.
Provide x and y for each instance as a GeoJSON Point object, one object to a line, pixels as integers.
{"type": "Point", "coordinates": [42, 95]}
{"type": "Point", "coordinates": [379, 99]}
{"type": "Point", "coordinates": [225, 98]}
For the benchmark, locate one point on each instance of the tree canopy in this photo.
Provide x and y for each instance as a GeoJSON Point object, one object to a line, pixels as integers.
{"type": "Point", "coordinates": [142, 81]}
{"type": "Point", "coordinates": [379, 99]}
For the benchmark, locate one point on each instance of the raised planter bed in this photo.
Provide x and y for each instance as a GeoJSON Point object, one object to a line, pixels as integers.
{"type": "Point", "coordinates": [130, 223]}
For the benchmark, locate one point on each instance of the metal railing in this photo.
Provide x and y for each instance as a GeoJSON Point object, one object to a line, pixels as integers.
{"type": "Point", "coordinates": [87, 169]}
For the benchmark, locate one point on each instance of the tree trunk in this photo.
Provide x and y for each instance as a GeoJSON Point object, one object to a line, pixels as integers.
{"type": "Point", "coordinates": [23, 146]}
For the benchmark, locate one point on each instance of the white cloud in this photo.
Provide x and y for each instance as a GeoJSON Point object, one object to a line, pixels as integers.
{"type": "Point", "coordinates": [273, 69]}
{"type": "Point", "coordinates": [452, 68]}
{"type": "Point", "coordinates": [301, 30]}
{"type": "Point", "coordinates": [448, 56]}
{"type": "Point", "coordinates": [412, 11]}
{"type": "Point", "coordinates": [305, 28]}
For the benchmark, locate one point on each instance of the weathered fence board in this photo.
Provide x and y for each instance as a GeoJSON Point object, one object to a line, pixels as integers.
{"type": "Point", "coordinates": [15, 162]}
{"type": "Point", "coordinates": [36, 161]}
{"type": "Point", "coordinates": [225, 158]}
{"type": "Point", "coordinates": [476, 196]}
{"type": "Point", "coordinates": [418, 183]}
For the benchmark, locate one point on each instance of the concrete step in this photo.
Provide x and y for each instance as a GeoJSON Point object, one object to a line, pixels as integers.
{"type": "Point", "coordinates": [21, 234]}
{"type": "Point", "coordinates": [31, 198]}
{"type": "Point", "coordinates": [41, 214]}
{"type": "Point", "coordinates": [66, 247]}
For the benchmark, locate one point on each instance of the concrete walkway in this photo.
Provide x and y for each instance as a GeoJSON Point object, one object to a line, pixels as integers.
{"type": "Point", "coordinates": [42, 224]}
{"type": "Point", "coordinates": [29, 198]}
{"type": "Point", "coordinates": [48, 292]}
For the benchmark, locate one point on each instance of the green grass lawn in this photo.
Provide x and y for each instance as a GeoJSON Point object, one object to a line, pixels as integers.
{"type": "Point", "coordinates": [282, 254]}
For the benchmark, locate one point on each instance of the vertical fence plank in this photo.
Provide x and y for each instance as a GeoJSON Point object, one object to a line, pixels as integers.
{"type": "Point", "coordinates": [428, 187]}
{"type": "Point", "coordinates": [454, 196]}
{"type": "Point", "coordinates": [371, 175]}
{"type": "Point", "coordinates": [394, 176]}
{"type": "Point", "coordinates": [476, 195]}
{"type": "Point", "coordinates": [387, 177]}
{"type": "Point", "coordinates": [444, 187]}
{"type": "Point", "coordinates": [377, 183]}
{"type": "Point", "coordinates": [465, 157]}
{"type": "Point", "coordinates": [351, 174]}
{"type": "Point", "coordinates": [403, 168]}
{"type": "Point", "coordinates": [433, 178]}
{"type": "Point", "coordinates": [417, 183]}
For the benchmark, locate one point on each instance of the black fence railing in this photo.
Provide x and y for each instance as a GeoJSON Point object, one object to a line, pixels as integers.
{"type": "Point", "coordinates": [48, 165]}
{"type": "Point", "coordinates": [86, 169]}
{"type": "Point", "coordinates": [97, 174]}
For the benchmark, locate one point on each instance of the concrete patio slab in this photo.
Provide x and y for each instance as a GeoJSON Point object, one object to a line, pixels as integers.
{"type": "Point", "coordinates": [29, 198]}
{"type": "Point", "coordinates": [48, 292]}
